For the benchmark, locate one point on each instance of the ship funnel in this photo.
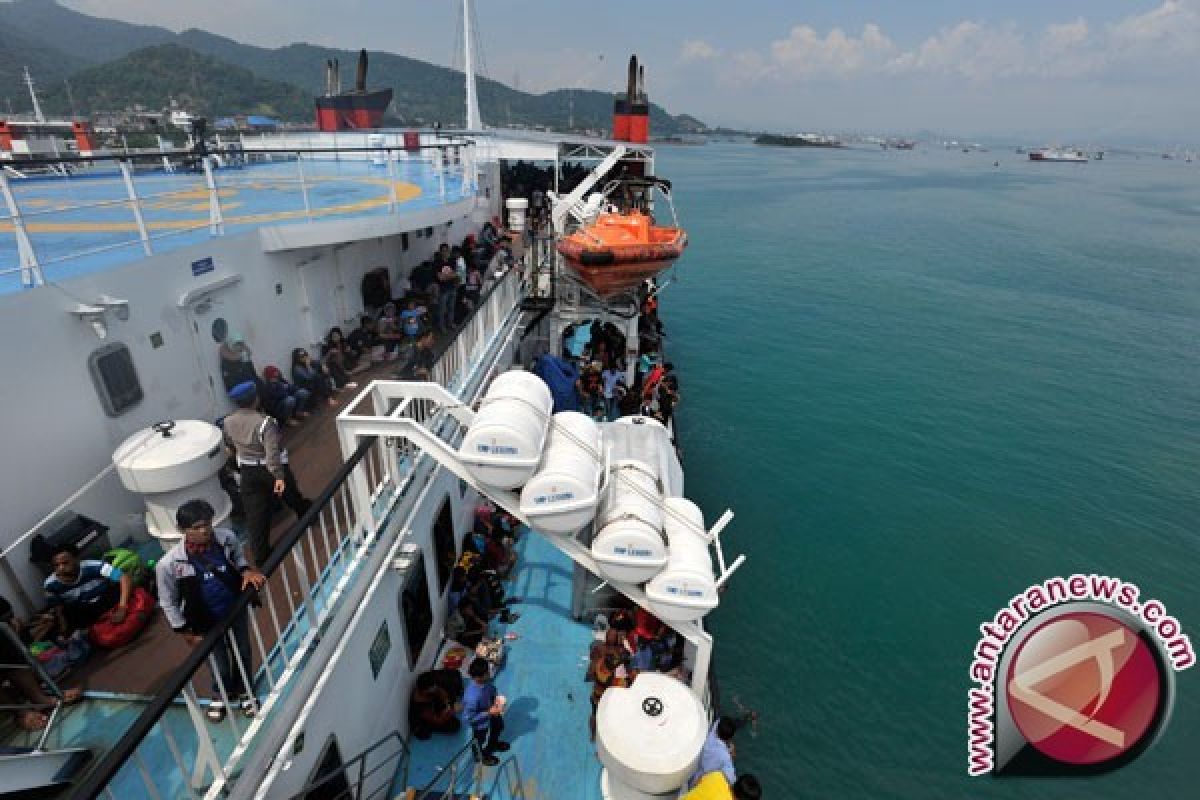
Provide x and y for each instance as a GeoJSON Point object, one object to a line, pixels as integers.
{"type": "Point", "coordinates": [631, 90]}
{"type": "Point", "coordinates": [631, 111]}
{"type": "Point", "coordinates": [360, 77]}
{"type": "Point", "coordinates": [337, 77]}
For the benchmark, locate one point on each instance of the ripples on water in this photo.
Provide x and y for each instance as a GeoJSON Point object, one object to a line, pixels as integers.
{"type": "Point", "coordinates": [925, 383]}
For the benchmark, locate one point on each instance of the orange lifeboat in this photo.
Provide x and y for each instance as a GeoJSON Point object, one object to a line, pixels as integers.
{"type": "Point", "coordinates": [619, 250]}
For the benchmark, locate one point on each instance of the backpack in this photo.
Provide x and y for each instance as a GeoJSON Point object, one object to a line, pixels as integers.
{"type": "Point", "coordinates": [131, 564]}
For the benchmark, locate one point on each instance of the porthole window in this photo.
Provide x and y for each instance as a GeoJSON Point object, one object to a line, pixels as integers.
{"type": "Point", "coordinates": [115, 378]}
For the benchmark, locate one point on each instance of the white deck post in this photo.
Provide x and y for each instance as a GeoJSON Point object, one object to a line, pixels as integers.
{"type": "Point", "coordinates": [216, 221]}
{"type": "Point", "coordinates": [135, 205]}
{"type": "Point", "coordinates": [391, 171]}
{"type": "Point", "coordinates": [303, 184]}
{"type": "Point", "coordinates": [31, 270]}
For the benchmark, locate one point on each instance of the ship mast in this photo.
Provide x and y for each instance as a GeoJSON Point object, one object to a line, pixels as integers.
{"type": "Point", "coordinates": [474, 120]}
{"type": "Point", "coordinates": [38, 116]}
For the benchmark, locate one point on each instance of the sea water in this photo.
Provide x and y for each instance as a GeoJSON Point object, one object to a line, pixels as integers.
{"type": "Point", "coordinates": [924, 383]}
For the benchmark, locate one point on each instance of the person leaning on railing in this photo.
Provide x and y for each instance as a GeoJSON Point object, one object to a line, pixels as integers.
{"type": "Point", "coordinates": [199, 579]}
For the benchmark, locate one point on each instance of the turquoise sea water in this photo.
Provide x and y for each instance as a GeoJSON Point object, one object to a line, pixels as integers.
{"type": "Point", "coordinates": [925, 383]}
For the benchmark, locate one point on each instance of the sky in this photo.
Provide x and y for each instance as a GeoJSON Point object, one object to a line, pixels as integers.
{"type": "Point", "coordinates": [1103, 70]}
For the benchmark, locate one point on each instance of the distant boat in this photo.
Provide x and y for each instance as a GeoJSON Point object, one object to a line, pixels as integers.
{"type": "Point", "coordinates": [798, 140]}
{"type": "Point", "coordinates": [1056, 154]}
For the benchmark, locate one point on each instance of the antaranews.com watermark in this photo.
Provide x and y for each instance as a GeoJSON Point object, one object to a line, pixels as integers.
{"type": "Point", "coordinates": [1075, 727]}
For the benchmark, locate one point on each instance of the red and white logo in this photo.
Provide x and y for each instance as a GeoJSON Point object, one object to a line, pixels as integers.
{"type": "Point", "coordinates": [1084, 688]}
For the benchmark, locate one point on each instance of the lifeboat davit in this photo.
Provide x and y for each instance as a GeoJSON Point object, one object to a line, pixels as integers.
{"type": "Point", "coordinates": [619, 250]}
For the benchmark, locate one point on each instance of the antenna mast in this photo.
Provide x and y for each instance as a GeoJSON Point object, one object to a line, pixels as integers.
{"type": "Point", "coordinates": [37, 107]}
{"type": "Point", "coordinates": [474, 120]}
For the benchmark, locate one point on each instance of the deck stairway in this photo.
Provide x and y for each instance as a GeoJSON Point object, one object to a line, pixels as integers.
{"type": "Point", "coordinates": [41, 766]}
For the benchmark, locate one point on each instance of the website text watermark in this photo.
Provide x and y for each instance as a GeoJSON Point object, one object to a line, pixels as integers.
{"type": "Point", "coordinates": [998, 632]}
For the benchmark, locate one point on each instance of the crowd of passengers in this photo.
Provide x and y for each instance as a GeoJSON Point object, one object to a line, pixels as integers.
{"type": "Point", "coordinates": [597, 351]}
{"type": "Point", "coordinates": [106, 602]}
{"type": "Point", "coordinates": [631, 641]}
{"type": "Point", "coordinates": [478, 608]}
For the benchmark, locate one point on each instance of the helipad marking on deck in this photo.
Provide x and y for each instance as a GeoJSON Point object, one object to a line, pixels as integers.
{"type": "Point", "coordinates": [404, 192]}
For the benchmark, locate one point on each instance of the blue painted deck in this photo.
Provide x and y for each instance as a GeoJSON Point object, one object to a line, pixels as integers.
{"type": "Point", "coordinates": [71, 241]}
{"type": "Point", "coordinates": [543, 679]}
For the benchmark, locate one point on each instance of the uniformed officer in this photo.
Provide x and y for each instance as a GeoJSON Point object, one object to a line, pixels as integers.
{"type": "Point", "coordinates": [263, 463]}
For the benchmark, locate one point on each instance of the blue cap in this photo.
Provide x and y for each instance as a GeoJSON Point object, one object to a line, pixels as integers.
{"type": "Point", "coordinates": [243, 391]}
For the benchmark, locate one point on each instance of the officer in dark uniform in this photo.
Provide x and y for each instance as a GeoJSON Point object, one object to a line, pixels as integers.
{"type": "Point", "coordinates": [263, 463]}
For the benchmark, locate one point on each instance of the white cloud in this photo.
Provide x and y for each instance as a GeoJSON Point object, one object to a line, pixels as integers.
{"type": "Point", "coordinates": [805, 53]}
{"type": "Point", "coordinates": [971, 51]}
{"type": "Point", "coordinates": [697, 50]}
{"type": "Point", "coordinates": [1172, 29]}
{"type": "Point", "coordinates": [967, 50]}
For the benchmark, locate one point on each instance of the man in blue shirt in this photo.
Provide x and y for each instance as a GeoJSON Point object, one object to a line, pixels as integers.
{"type": "Point", "coordinates": [717, 754]}
{"type": "Point", "coordinates": [483, 710]}
{"type": "Point", "coordinates": [80, 591]}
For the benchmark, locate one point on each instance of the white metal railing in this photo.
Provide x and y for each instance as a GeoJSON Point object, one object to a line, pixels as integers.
{"type": "Point", "coordinates": [145, 199]}
{"type": "Point", "coordinates": [319, 559]}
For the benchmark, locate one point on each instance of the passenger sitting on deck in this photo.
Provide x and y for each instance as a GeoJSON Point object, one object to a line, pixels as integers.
{"type": "Point", "coordinates": [606, 668]}
{"type": "Point", "coordinates": [420, 366]}
{"type": "Point", "coordinates": [236, 366]}
{"type": "Point", "coordinates": [340, 358]}
{"type": "Point", "coordinates": [79, 592]}
{"type": "Point", "coordinates": [365, 339]}
{"type": "Point", "coordinates": [310, 375]}
{"type": "Point", "coordinates": [284, 401]}
{"type": "Point", "coordinates": [19, 686]}
{"type": "Point", "coordinates": [431, 708]}
{"type": "Point", "coordinates": [390, 335]}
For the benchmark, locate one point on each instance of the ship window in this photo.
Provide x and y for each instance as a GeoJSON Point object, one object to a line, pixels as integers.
{"type": "Point", "coordinates": [115, 378]}
{"type": "Point", "coordinates": [444, 544]}
{"type": "Point", "coordinates": [220, 329]}
{"type": "Point", "coordinates": [404, 241]}
{"type": "Point", "coordinates": [329, 779]}
{"type": "Point", "coordinates": [416, 608]}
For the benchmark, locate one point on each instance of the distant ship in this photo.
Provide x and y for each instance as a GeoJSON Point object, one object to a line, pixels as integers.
{"type": "Point", "coordinates": [799, 140]}
{"type": "Point", "coordinates": [1055, 154]}
{"type": "Point", "coordinates": [353, 110]}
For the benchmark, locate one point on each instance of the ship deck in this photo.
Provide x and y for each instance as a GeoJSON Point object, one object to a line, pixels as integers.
{"type": "Point", "coordinates": [86, 223]}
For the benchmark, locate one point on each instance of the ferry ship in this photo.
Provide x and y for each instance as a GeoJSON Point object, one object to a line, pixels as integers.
{"type": "Point", "coordinates": [116, 291]}
{"type": "Point", "coordinates": [1058, 154]}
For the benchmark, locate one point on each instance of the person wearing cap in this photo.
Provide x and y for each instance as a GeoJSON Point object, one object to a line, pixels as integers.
{"type": "Point", "coordinates": [284, 401]}
{"type": "Point", "coordinates": [263, 463]}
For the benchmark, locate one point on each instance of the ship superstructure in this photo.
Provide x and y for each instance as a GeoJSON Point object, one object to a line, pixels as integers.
{"type": "Point", "coordinates": [124, 285]}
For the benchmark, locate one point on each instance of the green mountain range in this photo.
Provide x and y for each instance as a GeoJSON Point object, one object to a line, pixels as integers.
{"type": "Point", "coordinates": [114, 65]}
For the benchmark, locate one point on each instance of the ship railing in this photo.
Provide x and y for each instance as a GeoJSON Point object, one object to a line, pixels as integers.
{"type": "Point", "coordinates": [370, 774]}
{"type": "Point", "coordinates": [507, 782]}
{"type": "Point", "coordinates": [138, 213]}
{"type": "Point", "coordinates": [461, 776]}
{"type": "Point", "coordinates": [310, 570]}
